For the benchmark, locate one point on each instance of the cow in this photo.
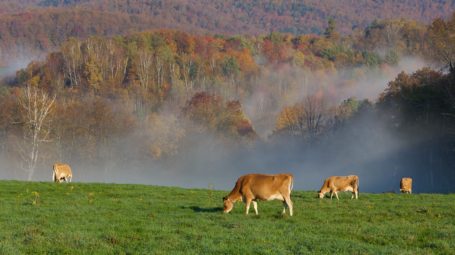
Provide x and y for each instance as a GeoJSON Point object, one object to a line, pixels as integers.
{"type": "Point", "coordinates": [406, 185]}
{"type": "Point", "coordinates": [253, 187]}
{"type": "Point", "coordinates": [333, 184]}
{"type": "Point", "coordinates": [62, 172]}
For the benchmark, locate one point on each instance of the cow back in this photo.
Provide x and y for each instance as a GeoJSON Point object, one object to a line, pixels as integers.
{"type": "Point", "coordinates": [343, 181]}
{"type": "Point", "coordinates": [62, 169]}
{"type": "Point", "coordinates": [406, 184]}
{"type": "Point", "coordinates": [264, 186]}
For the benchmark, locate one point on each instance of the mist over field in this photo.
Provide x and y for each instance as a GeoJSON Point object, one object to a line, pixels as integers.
{"type": "Point", "coordinates": [365, 149]}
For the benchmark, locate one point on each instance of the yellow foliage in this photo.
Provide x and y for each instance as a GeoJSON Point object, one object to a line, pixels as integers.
{"type": "Point", "coordinates": [34, 81]}
{"type": "Point", "coordinates": [288, 117]}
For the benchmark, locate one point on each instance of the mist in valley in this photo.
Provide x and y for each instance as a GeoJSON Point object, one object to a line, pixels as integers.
{"type": "Point", "coordinates": [365, 147]}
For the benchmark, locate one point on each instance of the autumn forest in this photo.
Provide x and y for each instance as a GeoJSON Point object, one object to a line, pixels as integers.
{"type": "Point", "coordinates": [133, 101]}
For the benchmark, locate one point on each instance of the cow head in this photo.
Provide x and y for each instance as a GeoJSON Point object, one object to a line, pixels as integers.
{"type": "Point", "coordinates": [321, 194]}
{"type": "Point", "coordinates": [228, 204]}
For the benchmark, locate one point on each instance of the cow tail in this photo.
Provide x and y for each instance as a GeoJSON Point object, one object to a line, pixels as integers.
{"type": "Point", "coordinates": [358, 186]}
{"type": "Point", "coordinates": [292, 184]}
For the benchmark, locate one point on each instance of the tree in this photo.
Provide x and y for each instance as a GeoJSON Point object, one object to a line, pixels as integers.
{"type": "Point", "coordinates": [442, 41]}
{"type": "Point", "coordinates": [330, 32]}
{"type": "Point", "coordinates": [212, 113]}
{"type": "Point", "coordinates": [35, 107]}
{"type": "Point", "coordinates": [72, 55]}
{"type": "Point", "coordinates": [306, 118]}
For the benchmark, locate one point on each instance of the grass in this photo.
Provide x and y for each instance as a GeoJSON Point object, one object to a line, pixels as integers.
{"type": "Point", "coordinates": [47, 218]}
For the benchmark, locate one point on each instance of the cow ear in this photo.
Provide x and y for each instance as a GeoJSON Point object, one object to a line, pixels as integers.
{"type": "Point", "coordinates": [224, 198]}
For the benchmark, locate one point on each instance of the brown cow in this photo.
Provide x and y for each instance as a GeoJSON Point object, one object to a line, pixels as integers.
{"type": "Point", "coordinates": [406, 185]}
{"type": "Point", "coordinates": [252, 187]}
{"type": "Point", "coordinates": [333, 184]}
{"type": "Point", "coordinates": [62, 172]}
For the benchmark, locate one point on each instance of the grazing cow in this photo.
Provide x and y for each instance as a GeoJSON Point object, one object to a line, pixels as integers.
{"type": "Point", "coordinates": [333, 184]}
{"type": "Point", "coordinates": [62, 172]}
{"type": "Point", "coordinates": [406, 185]}
{"type": "Point", "coordinates": [253, 187]}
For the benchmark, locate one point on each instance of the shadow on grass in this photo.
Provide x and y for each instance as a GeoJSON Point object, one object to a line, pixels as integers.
{"type": "Point", "coordinates": [205, 210]}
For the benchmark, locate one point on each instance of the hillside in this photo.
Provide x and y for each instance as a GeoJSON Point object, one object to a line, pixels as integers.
{"type": "Point", "coordinates": [135, 219]}
{"type": "Point", "coordinates": [253, 16]}
{"type": "Point", "coordinates": [31, 27]}
{"type": "Point", "coordinates": [203, 104]}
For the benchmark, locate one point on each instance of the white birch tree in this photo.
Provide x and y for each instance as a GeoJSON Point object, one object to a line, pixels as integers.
{"type": "Point", "coordinates": [35, 106]}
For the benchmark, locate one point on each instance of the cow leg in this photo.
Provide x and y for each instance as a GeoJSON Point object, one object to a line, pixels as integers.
{"type": "Point", "coordinates": [284, 207]}
{"type": "Point", "coordinates": [248, 203]}
{"type": "Point", "coordinates": [356, 194]}
{"type": "Point", "coordinates": [289, 204]}
{"type": "Point", "coordinates": [336, 195]}
{"type": "Point", "coordinates": [255, 206]}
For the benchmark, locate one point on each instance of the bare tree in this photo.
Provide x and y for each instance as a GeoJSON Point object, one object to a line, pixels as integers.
{"type": "Point", "coordinates": [313, 115]}
{"type": "Point", "coordinates": [35, 106]}
{"type": "Point", "coordinates": [73, 60]}
{"type": "Point", "coordinates": [307, 118]}
{"type": "Point", "coordinates": [144, 68]}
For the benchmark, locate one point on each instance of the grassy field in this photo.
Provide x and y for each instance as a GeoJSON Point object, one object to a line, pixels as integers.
{"type": "Point", "coordinates": [47, 218]}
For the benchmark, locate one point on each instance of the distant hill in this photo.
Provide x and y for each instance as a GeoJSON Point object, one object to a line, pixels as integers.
{"type": "Point", "coordinates": [254, 16]}
{"type": "Point", "coordinates": [36, 26]}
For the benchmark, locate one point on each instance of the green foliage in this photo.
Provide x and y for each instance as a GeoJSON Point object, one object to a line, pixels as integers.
{"type": "Point", "coordinates": [230, 67]}
{"type": "Point", "coordinates": [421, 98]}
{"type": "Point", "coordinates": [371, 59]}
{"type": "Point", "coordinates": [136, 219]}
{"type": "Point", "coordinates": [337, 53]}
{"type": "Point", "coordinates": [351, 105]}
{"type": "Point", "coordinates": [330, 32]}
{"type": "Point", "coordinates": [391, 57]}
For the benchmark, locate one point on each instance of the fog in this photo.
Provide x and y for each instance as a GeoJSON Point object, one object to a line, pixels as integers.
{"type": "Point", "coordinates": [204, 160]}
{"type": "Point", "coordinates": [291, 85]}
{"type": "Point", "coordinates": [16, 64]}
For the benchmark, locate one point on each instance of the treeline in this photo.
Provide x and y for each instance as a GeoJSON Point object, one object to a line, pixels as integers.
{"type": "Point", "coordinates": [33, 27]}
{"type": "Point", "coordinates": [255, 16]}
{"type": "Point", "coordinates": [37, 32]}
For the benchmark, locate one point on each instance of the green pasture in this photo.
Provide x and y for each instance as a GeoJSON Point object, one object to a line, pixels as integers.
{"type": "Point", "coordinates": [76, 218]}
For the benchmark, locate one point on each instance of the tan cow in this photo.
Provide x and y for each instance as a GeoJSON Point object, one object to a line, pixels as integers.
{"type": "Point", "coordinates": [333, 184]}
{"type": "Point", "coordinates": [62, 172]}
{"type": "Point", "coordinates": [253, 187]}
{"type": "Point", "coordinates": [406, 185]}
